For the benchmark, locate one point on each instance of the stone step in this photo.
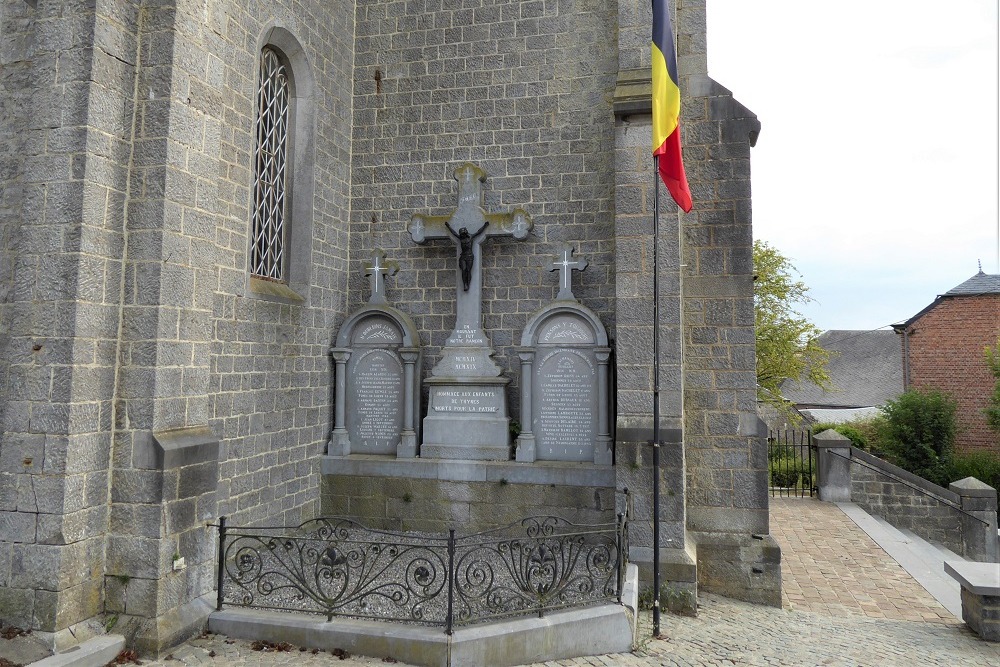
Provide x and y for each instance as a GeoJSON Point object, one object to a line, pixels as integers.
{"type": "Point", "coordinates": [943, 551]}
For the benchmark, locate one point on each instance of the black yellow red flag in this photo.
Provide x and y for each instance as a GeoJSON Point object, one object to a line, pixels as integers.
{"type": "Point", "coordinates": [667, 108]}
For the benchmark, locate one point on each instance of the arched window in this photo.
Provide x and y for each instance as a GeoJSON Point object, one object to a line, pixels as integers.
{"type": "Point", "coordinates": [281, 216]}
{"type": "Point", "coordinates": [267, 247]}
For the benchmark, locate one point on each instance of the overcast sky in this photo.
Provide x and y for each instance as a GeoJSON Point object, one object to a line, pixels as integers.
{"type": "Point", "coordinates": [876, 166]}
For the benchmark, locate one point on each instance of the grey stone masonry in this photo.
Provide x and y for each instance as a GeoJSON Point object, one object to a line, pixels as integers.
{"type": "Point", "coordinates": [149, 383]}
{"type": "Point", "coordinates": [144, 387]}
{"type": "Point", "coordinates": [833, 453]}
{"type": "Point", "coordinates": [980, 541]}
{"type": "Point", "coordinates": [962, 517]}
{"type": "Point", "coordinates": [726, 453]}
{"type": "Point", "coordinates": [521, 90]}
{"type": "Point", "coordinates": [980, 596]}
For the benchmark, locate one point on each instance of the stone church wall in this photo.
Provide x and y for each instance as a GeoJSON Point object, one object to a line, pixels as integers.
{"type": "Point", "coordinates": [137, 354]}
{"type": "Point", "coordinates": [147, 386]}
{"type": "Point", "coordinates": [521, 89]}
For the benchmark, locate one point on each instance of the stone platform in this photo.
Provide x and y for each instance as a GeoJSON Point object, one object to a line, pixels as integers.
{"type": "Point", "coordinates": [606, 628]}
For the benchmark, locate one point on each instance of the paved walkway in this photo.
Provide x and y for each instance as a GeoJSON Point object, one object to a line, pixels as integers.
{"type": "Point", "coordinates": [830, 566]}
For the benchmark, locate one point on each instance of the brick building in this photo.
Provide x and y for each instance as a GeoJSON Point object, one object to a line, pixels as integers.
{"type": "Point", "coordinates": [942, 348]}
{"type": "Point", "coordinates": [188, 192]}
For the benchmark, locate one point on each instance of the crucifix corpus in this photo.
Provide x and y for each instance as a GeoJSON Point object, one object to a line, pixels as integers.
{"type": "Point", "coordinates": [467, 410]}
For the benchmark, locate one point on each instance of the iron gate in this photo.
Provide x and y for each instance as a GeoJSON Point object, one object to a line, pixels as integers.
{"type": "Point", "coordinates": [791, 464]}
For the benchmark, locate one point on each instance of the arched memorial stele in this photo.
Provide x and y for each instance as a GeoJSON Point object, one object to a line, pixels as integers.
{"type": "Point", "coordinates": [378, 364]}
{"type": "Point", "coordinates": [565, 391]}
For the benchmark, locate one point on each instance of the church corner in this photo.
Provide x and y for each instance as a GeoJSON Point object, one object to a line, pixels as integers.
{"type": "Point", "coordinates": [394, 264]}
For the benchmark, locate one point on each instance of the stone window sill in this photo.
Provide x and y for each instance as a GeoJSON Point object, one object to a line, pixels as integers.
{"type": "Point", "coordinates": [273, 291]}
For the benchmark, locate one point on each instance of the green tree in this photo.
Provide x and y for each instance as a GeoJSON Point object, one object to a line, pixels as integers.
{"type": "Point", "coordinates": [993, 406]}
{"type": "Point", "coordinates": [786, 339]}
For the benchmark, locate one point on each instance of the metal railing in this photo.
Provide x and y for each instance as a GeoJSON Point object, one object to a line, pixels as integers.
{"type": "Point", "coordinates": [338, 567]}
{"type": "Point", "coordinates": [791, 464]}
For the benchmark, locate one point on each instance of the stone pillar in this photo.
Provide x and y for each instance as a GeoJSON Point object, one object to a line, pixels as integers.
{"type": "Point", "coordinates": [602, 447]}
{"type": "Point", "coordinates": [340, 442]}
{"type": "Point", "coordinates": [834, 473]}
{"type": "Point", "coordinates": [407, 448]}
{"type": "Point", "coordinates": [979, 531]}
{"type": "Point", "coordinates": [526, 440]}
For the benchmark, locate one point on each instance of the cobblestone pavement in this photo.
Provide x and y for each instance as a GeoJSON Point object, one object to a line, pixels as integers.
{"type": "Point", "coordinates": [830, 566]}
{"type": "Point", "coordinates": [724, 633]}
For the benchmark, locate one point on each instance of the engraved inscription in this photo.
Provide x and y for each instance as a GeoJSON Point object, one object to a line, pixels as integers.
{"type": "Point", "coordinates": [566, 331]}
{"type": "Point", "coordinates": [465, 334]}
{"type": "Point", "coordinates": [378, 332]}
{"type": "Point", "coordinates": [566, 417]}
{"type": "Point", "coordinates": [376, 418]}
{"type": "Point", "coordinates": [467, 400]}
{"type": "Point", "coordinates": [466, 363]}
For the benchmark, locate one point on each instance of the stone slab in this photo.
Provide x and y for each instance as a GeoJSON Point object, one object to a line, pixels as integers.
{"type": "Point", "coordinates": [979, 578]}
{"type": "Point", "coordinates": [549, 472]}
{"type": "Point", "coordinates": [597, 630]}
{"type": "Point", "coordinates": [95, 652]}
{"type": "Point", "coordinates": [176, 448]}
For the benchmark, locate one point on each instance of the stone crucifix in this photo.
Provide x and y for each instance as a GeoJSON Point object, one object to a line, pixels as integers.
{"type": "Point", "coordinates": [378, 269]}
{"type": "Point", "coordinates": [468, 227]}
{"type": "Point", "coordinates": [565, 265]}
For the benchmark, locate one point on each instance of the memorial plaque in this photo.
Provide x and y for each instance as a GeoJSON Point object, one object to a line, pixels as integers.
{"type": "Point", "coordinates": [565, 385]}
{"type": "Point", "coordinates": [566, 416]}
{"type": "Point", "coordinates": [377, 376]}
{"type": "Point", "coordinates": [375, 423]}
{"type": "Point", "coordinates": [452, 399]}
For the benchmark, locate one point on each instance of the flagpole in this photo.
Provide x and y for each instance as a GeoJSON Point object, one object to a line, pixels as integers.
{"type": "Point", "coordinates": [656, 397]}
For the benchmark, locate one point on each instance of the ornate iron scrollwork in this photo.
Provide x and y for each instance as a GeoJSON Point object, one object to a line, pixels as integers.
{"type": "Point", "coordinates": [336, 566]}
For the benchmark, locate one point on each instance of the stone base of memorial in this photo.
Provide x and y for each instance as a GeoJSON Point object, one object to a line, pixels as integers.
{"type": "Point", "coordinates": [467, 419]}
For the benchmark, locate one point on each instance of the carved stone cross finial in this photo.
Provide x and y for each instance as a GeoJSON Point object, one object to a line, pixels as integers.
{"type": "Point", "coordinates": [566, 265]}
{"type": "Point", "coordinates": [378, 270]}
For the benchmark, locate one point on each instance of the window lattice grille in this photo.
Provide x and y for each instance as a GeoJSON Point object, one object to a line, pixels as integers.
{"type": "Point", "coordinates": [266, 258]}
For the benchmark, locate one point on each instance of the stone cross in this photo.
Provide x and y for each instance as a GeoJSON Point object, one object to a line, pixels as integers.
{"type": "Point", "coordinates": [565, 267]}
{"type": "Point", "coordinates": [378, 270]}
{"type": "Point", "coordinates": [478, 225]}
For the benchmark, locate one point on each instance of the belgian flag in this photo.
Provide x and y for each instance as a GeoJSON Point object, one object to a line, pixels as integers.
{"type": "Point", "coordinates": [667, 108]}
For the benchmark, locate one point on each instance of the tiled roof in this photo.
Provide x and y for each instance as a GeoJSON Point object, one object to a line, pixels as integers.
{"type": "Point", "coordinates": [981, 283]}
{"type": "Point", "coordinates": [866, 370]}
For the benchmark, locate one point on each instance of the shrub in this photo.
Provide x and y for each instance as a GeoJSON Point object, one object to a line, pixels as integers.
{"type": "Point", "coordinates": [864, 433]}
{"type": "Point", "coordinates": [983, 465]}
{"type": "Point", "coordinates": [919, 433]}
{"type": "Point", "coordinates": [847, 429]}
{"type": "Point", "coordinates": [785, 472]}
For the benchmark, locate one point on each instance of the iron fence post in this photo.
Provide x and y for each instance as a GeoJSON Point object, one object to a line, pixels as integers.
{"type": "Point", "coordinates": [621, 561]}
{"type": "Point", "coordinates": [451, 579]}
{"type": "Point", "coordinates": [222, 560]}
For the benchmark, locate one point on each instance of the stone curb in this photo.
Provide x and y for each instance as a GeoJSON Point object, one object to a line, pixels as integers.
{"type": "Point", "coordinates": [95, 652]}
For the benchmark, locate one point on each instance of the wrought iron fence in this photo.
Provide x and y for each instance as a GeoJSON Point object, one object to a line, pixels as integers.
{"type": "Point", "coordinates": [339, 567]}
{"type": "Point", "coordinates": [791, 464]}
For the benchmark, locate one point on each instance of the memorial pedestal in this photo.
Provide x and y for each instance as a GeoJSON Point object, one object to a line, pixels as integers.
{"type": "Point", "coordinates": [466, 419]}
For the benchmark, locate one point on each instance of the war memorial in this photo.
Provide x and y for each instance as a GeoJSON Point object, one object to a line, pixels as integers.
{"type": "Point", "coordinates": [386, 261]}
